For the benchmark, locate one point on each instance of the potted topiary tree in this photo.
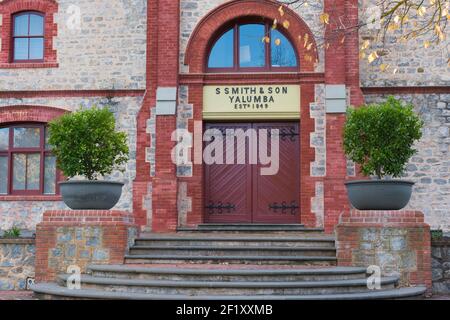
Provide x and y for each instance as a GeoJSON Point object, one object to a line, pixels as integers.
{"type": "Point", "coordinates": [380, 138]}
{"type": "Point", "coordinates": [86, 144]}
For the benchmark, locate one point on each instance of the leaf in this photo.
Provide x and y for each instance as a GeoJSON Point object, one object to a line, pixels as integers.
{"type": "Point", "coordinates": [372, 57]}
{"type": "Point", "coordinates": [275, 24]}
{"type": "Point", "coordinates": [325, 18]}
{"type": "Point", "coordinates": [426, 44]}
{"type": "Point", "coordinates": [343, 39]}
{"type": "Point", "coordinates": [286, 24]}
{"type": "Point", "coordinates": [281, 11]}
{"type": "Point", "coordinates": [309, 46]}
{"type": "Point", "coordinates": [384, 67]}
{"type": "Point", "coordinates": [421, 11]}
{"type": "Point", "coordinates": [305, 40]}
{"type": "Point", "coordinates": [365, 44]}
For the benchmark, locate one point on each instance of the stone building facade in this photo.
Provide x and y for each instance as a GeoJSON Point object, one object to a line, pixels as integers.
{"type": "Point", "coordinates": [126, 54]}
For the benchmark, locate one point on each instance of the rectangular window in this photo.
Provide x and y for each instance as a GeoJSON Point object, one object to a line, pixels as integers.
{"type": "Point", "coordinates": [50, 175]}
{"type": "Point", "coordinates": [3, 175]}
{"type": "Point", "coordinates": [27, 137]}
{"type": "Point", "coordinates": [36, 48]}
{"type": "Point", "coordinates": [4, 138]}
{"type": "Point", "coordinates": [26, 171]}
{"type": "Point", "coordinates": [21, 49]}
{"type": "Point", "coordinates": [27, 166]}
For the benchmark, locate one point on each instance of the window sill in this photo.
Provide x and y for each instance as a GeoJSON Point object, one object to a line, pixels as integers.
{"type": "Point", "coordinates": [31, 65]}
{"type": "Point", "coordinates": [30, 198]}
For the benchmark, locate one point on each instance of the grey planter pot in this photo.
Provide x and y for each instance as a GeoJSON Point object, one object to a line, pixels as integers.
{"type": "Point", "coordinates": [379, 194]}
{"type": "Point", "coordinates": [91, 195]}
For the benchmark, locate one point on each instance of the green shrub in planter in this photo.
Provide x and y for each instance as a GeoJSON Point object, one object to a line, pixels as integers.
{"type": "Point", "coordinates": [85, 143]}
{"type": "Point", "coordinates": [380, 138]}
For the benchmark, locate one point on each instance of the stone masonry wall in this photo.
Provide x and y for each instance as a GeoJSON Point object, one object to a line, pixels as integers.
{"type": "Point", "coordinates": [16, 263]}
{"type": "Point", "coordinates": [415, 65]}
{"type": "Point", "coordinates": [430, 167]}
{"type": "Point", "coordinates": [192, 11]}
{"type": "Point", "coordinates": [107, 51]}
{"type": "Point", "coordinates": [26, 214]}
{"type": "Point", "coordinates": [440, 262]}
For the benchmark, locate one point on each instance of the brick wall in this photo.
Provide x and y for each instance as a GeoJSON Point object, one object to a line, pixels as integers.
{"type": "Point", "coordinates": [396, 241]}
{"type": "Point", "coordinates": [80, 238]}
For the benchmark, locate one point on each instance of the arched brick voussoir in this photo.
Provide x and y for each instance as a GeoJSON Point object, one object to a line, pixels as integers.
{"type": "Point", "coordinates": [27, 113]}
{"type": "Point", "coordinates": [207, 29]}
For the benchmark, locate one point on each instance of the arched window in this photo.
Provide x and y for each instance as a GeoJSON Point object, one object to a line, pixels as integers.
{"type": "Point", "coordinates": [28, 37]}
{"type": "Point", "coordinates": [27, 166]}
{"type": "Point", "coordinates": [252, 47]}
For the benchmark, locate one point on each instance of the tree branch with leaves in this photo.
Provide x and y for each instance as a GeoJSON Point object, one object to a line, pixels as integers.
{"type": "Point", "coordinates": [395, 21]}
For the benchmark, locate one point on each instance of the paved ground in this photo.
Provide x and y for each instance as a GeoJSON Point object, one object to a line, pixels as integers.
{"type": "Point", "coordinates": [16, 295]}
{"type": "Point", "coordinates": [26, 295]}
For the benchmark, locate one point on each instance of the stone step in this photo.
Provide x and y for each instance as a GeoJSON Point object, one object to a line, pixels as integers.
{"type": "Point", "coordinates": [234, 251]}
{"type": "Point", "coordinates": [230, 273]}
{"type": "Point", "coordinates": [266, 226]}
{"type": "Point", "coordinates": [297, 229]}
{"type": "Point", "coordinates": [227, 288]}
{"type": "Point", "coordinates": [249, 241]}
{"type": "Point", "coordinates": [49, 291]}
{"type": "Point", "coordinates": [232, 259]}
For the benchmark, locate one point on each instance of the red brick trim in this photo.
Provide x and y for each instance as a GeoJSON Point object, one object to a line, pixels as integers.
{"type": "Point", "coordinates": [7, 9]}
{"type": "Point", "coordinates": [88, 216]}
{"type": "Point", "coordinates": [71, 93]}
{"type": "Point", "coordinates": [252, 78]}
{"type": "Point", "coordinates": [207, 29]}
{"type": "Point", "coordinates": [406, 90]}
{"type": "Point", "coordinates": [34, 65]}
{"type": "Point", "coordinates": [31, 198]}
{"type": "Point", "coordinates": [29, 114]}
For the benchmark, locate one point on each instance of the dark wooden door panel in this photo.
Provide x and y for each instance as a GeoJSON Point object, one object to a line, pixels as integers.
{"type": "Point", "coordinates": [228, 186]}
{"type": "Point", "coordinates": [238, 193]}
{"type": "Point", "coordinates": [276, 197]}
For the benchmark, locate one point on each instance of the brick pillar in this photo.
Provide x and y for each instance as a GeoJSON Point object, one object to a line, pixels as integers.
{"type": "Point", "coordinates": [80, 238]}
{"type": "Point", "coordinates": [396, 241]}
{"type": "Point", "coordinates": [143, 181]}
{"type": "Point", "coordinates": [341, 67]}
{"type": "Point", "coordinates": [165, 187]}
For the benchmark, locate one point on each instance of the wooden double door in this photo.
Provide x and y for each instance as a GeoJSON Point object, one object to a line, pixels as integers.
{"type": "Point", "coordinates": [239, 192]}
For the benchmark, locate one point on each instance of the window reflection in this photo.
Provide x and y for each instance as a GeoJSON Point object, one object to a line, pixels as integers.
{"type": "Point", "coordinates": [222, 54]}
{"type": "Point", "coordinates": [252, 50]}
{"type": "Point", "coordinates": [282, 53]}
{"type": "Point", "coordinates": [252, 46]}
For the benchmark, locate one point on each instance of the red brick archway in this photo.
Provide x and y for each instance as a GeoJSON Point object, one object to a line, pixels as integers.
{"type": "Point", "coordinates": [207, 29]}
{"type": "Point", "coordinates": [26, 113]}
{"type": "Point", "coordinates": [205, 33]}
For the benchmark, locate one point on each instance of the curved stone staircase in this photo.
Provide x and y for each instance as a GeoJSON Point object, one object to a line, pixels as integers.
{"type": "Point", "coordinates": [226, 262]}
